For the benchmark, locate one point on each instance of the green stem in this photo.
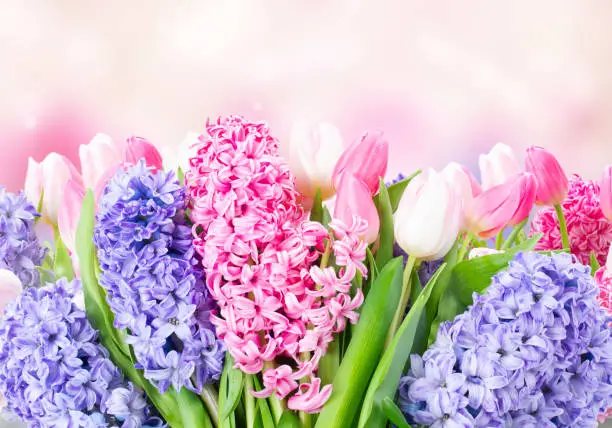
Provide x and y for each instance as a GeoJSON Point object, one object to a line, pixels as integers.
{"type": "Point", "coordinates": [515, 233]}
{"type": "Point", "coordinates": [249, 401]}
{"type": "Point", "coordinates": [276, 404]}
{"type": "Point", "coordinates": [465, 244]}
{"type": "Point", "coordinates": [305, 419]}
{"type": "Point", "coordinates": [210, 397]}
{"type": "Point", "coordinates": [562, 227]}
{"type": "Point", "coordinates": [499, 239]}
{"type": "Point", "coordinates": [403, 303]}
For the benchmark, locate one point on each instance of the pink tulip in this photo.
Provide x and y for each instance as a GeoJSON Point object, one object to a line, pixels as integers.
{"type": "Point", "coordinates": [97, 156]}
{"type": "Point", "coordinates": [10, 288]}
{"type": "Point", "coordinates": [466, 186]}
{"type": "Point", "coordinates": [497, 166]}
{"type": "Point", "coordinates": [103, 181]}
{"type": "Point", "coordinates": [605, 193]}
{"type": "Point", "coordinates": [507, 204]}
{"type": "Point", "coordinates": [53, 172]}
{"type": "Point", "coordinates": [550, 177]}
{"type": "Point", "coordinates": [366, 159]}
{"type": "Point", "coordinates": [69, 213]}
{"type": "Point", "coordinates": [354, 199]}
{"type": "Point", "coordinates": [139, 148]}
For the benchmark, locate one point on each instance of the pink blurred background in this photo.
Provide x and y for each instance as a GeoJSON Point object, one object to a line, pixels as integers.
{"type": "Point", "coordinates": [444, 79]}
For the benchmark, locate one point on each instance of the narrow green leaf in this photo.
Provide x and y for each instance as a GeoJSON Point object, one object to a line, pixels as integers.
{"type": "Point", "coordinates": [289, 420]}
{"type": "Point", "coordinates": [192, 411]}
{"type": "Point", "coordinates": [394, 414]}
{"type": "Point", "coordinates": [62, 265]}
{"type": "Point", "coordinates": [364, 350]}
{"type": "Point", "coordinates": [235, 384]}
{"type": "Point", "coordinates": [223, 390]}
{"type": "Point", "coordinates": [384, 252]}
{"type": "Point", "coordinates": [594, 263]}
{"type": "Point", "coordinates": [267, 421]}
{"type": "Point", "coordinates": [328, 366]}
{"type": "Point", "coordinates": [180, 174]}
{"type": "Point", "coordinates": [39, 205]}
{"type": "Point", "coordinates": [397, 190]}
{"type": "Point", "coordinates": [316, 212]}
{"type": "Point", "coordinates": [410, 337]}
{"type": "Point", "coordinates": [327, 218]}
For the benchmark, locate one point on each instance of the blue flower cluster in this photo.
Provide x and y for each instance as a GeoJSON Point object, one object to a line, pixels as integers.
{"type": "Point", "coordinates": [54, 373]}
{"type": "Point", "coordinates": [533, 351]}
{"type": "Point", "coordinates": [149, 270]}
{"type": "Point", "coordinates": [20, 251]}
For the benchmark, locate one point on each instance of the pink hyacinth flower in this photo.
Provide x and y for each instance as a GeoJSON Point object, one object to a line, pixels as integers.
{"type": "Point", "coordinates": [605, 193]}
{"type": "Point", "coordinates": [310, 398]}
{"type": "Point", "coordinates": [551, 179]}
{"type": "Point", "coordinates": [366, 159]}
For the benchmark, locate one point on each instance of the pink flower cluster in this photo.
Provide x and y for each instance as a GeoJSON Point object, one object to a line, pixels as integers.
{"type": "Point", "coordinates": [587, 227]}
{"type": "Point", "coordinates": [265, 262]}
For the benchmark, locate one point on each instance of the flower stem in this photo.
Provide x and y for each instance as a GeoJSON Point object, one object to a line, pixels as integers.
{"type": "Point", "coordinates": [515, 233]}
{"type": "Point", "coordinates": [210, 397]}
{"type": "Point", "coordinates": [306, 420]}
{"type": "Point", "coordinates": [276, 404]}
{"type": "Point", "coordinates": [465, 245]}
{"type": "Point", "coordinates": [401, 308]}
{"type": "Point", "coordinates": [562, 227]}
{"type": "Point", "coordinates": [499, 239]}
{"type": "Point", "coordinates": [325, 256]}
{"type": "Point", "coordinates": [249, 401]}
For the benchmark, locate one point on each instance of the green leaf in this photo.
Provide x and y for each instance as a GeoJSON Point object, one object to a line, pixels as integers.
{"type": "Point", "coordinates": [62, 265]}
{"type": "Point", "coordinates": [267, 421]}
{"type": "Point", "coordinates": [365, 348]}
{"type": "Point", "coordinates": [289, 420]}
{"type": "Point", "coordinates": [394, 414]}
{"type": "Point", "coordinates": [316, 212]}
{"type": "Point", "coordinates": [180, 174]}
{"type": "Point", "coordinates": [46, 275]}
{"type": "Point", "coordinates": [39, 205]}
{"type": "Point", "coordinates": [235, 383]}
{"type": "Point", "coordinates": [411, 337]}
{"type": "Point", "coordinates": [327, 218]}
{"type": "Point", "coordinates": [594, 263]}
{"type": "Point", "coordinates": [396, 190]}
{"type": "Point", "coordinates": [471, 276]}
{"type": "Point", "coordinates": [384, 252]}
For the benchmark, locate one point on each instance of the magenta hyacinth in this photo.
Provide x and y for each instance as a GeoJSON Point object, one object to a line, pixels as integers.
{"type": "Point", "coordinates": [588, 229]}
{"type": "Point", "coordinates": [260, 253]}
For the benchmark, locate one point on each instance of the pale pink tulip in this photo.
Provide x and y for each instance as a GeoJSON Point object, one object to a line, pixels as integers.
{"type": "Point", "coordinates": [497, 166]}
{"type": "Point", "coordinates": [354, 199]}
{"type": "Point", "coordinates": [550, 177]}
{"type": "Point", "coordinates": [506, 204]}
{"type": "Point", "coordinates": [466, 186]}
{"type": "Point", "coordinates": [314, 152]}
{"type": "Point", "coordinates": [97, 156]}
{"type": "Point", "coordinates": [140, 148]}
{"type": "Point", "coordinates": [428, 218]}
{"type": "Point", "coordinates": [103, 181]}
{"type": "Point", "coordinates": [10, 288]}
{"type": "Point", "coordinates": [69, 213]}
{"type": "Point", "coordinates": [366, 159]}
{"type": "Point", "coordinates": [53, 172]}
{"type": "Point", "coordinates": [605, 193]}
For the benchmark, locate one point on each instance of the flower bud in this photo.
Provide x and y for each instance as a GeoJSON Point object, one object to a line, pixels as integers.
{"type": "Point", "coordinates": [551, 180]}
{"type": "Point", "coordinates": [497, 166]}
{"type": "Point", "coordinates": [139, 148]}
{"type": "Point", "coordinates": [97, 156]}
{"type": "Point", "coordinates": [70, 212]}
{"type": "Point", "coordinates": [507, 204]}
{"type": "Point", "coordinates": [354, 199]}
{"type": "Point", "coordinates": [366, 159]}
{"type": "Point", "coordinates": [428, 217]}
{"type": "Point", "coordinates": [314, 152]}
{"type": "Point", "coordinates": [605, 193]}
{"type": "Point", "coordinates": [10, 288]}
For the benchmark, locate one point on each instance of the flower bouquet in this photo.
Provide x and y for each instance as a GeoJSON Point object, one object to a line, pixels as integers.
{"type": "Point", "coordinates": [228, 290]}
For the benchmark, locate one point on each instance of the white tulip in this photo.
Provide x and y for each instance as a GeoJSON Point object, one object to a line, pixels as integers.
{"type": "Point", "coordinates": [98, 156]}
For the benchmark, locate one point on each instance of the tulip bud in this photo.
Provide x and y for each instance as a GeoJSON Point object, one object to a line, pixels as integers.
{"type": "Point", "coordinates": [428, 217]}
{"type": "Point", "coordinates": [550, 177]}
{"type": "Point", "coordinates": [507, 204]}
{"type": "Point", "coordinates": [366, 159]}
{"type": "Point", "coordinates": [97, 156]}
{"type": "Point", "coordinates": [33, 182]}
{"type": "Point", "coordinates": [55, 171]}
{"type": "Point", "coordinates": [497, 166]}
{"type": "Point", "coordinates": [69, 213]}
{"type": "Point", "coordinates": [354, 199]}
{"type": "Point", "coordinates": [465, 185]}
{"type": "Point", "coordinates": [314, 152]}
{"type": "Point", "coordinates": [10, 288]}
{"type": "Point", "coordinates": [139, 148]}
{"type": "Point", "coordinates": [605, 193]}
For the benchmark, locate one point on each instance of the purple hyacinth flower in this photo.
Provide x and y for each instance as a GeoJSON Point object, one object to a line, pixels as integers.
{"type": "Point", "coordinates": [445, 410]}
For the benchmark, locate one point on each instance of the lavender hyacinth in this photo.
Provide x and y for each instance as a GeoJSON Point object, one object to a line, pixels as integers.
{"type": "Point", "coordinates": [54, 373]}
{"type": "Point", "coordinates": [533, 351]}
{"type": "Point", "coordinates": [154, 287]}
{"type": "Point", "coordinates": [20, 251]}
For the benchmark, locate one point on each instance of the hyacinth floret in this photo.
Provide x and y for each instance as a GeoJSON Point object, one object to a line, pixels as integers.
{"type": "Point", "coordinates": [534, 350]}
{"type": "Point", "coordinates": [54, 372]}
{"type": "Point", "coordinates": [588, 229]}
{"type": "Point", "coordinates": [154, 285]}
{"type": "Point", "coordinates": [266, 263]}
{"type": "Point", "coordinates": [20, 250]}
